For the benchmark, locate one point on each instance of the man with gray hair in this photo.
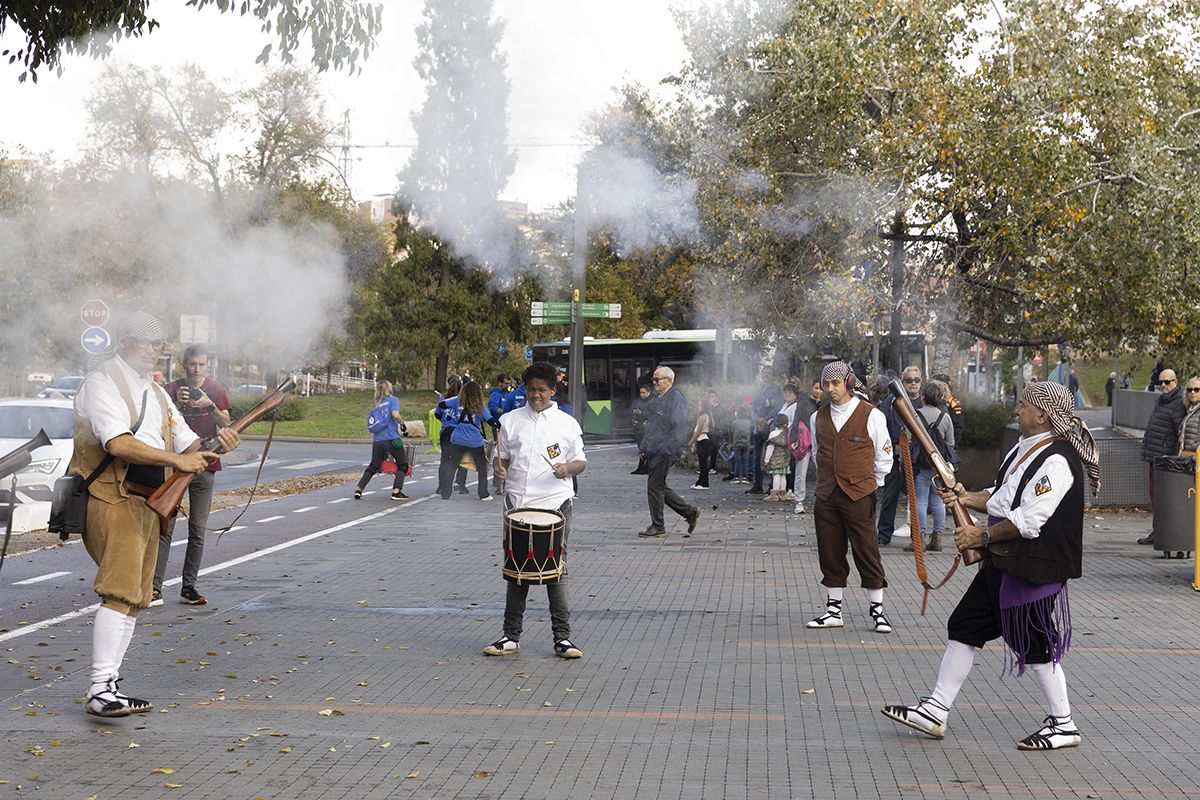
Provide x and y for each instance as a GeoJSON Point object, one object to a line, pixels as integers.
{"type": "Point", "coordinates": [127, 433]}
{"type": "Point", "coordinates": [667, 432]}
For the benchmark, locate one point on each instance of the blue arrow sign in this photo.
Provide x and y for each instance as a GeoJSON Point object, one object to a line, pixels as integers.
{"type": "Point", "coordinates": [95, 340]}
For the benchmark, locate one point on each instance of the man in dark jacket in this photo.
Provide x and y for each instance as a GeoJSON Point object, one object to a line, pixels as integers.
{"type": "Point", "coordinates": [667, 432]}
{"type": "Point", "coordinates": [1162, 431]}
{"type": "Point", "coordinates": [895, 483]}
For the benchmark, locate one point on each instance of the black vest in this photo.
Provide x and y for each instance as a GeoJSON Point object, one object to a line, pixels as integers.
{"type": "Point", "coordinates": [1057, 553]}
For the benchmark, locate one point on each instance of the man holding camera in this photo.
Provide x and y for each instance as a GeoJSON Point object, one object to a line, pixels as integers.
{"type": "Point", "coordinates": [205, 407]}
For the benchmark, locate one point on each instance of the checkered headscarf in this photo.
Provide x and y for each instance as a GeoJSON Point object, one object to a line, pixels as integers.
{"type": "Point", "coordinates": [140, 325]}
{"type": "Point", "coordinates": [1056, 400]}
{"type": "Point", "coordinates": [840, 370]}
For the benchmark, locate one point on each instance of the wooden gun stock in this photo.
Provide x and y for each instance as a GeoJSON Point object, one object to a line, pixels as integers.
{"type": "Point", "coordinates": [943, 471]}
{"type": "Point", "coordinates": [166, 498]}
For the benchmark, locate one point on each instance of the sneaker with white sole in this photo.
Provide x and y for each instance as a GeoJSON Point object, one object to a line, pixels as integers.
{"type": "Point", "coordinates": [879, 620]}
{"type": "Point", "coordinates": [1055, 734]}
{"type": "Point", "coordinates": [928, 716]}
{"type": "Point", "coordinates": [503, 646]}
{"type": "Point", "coordinates": [832, 618]}
{"type": "Point", "coordinates": [564, 649]}
{"type": "Point", "coordinates": [156, 598]}
{"type": "Point", "coordinates": [190, 597]}
{"type": "Point", "coordinates": [799, 509]}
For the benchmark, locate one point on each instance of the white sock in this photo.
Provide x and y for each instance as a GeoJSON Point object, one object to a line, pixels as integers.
{"type": "Point", "coordinates": [126, 636]}
{"type": "Point", "coordinates": [875, 595]}
{"type": "Point", "coordinates": [834, 593]}
{"type": "Point", "coordinates": [108, 634]}
{"type": "Point", "coordinates": [957, 662]}
{"type": "Point", "coordinates": [1053, 681]}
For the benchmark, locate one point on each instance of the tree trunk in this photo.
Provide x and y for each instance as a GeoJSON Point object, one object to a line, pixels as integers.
{"type": "Point", "coordinates": [440, 371]}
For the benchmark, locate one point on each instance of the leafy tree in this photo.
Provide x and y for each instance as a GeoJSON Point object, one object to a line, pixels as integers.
{"type": "Point", "coordinates": [340, 32]}
{"type": "Point", "coordinates": [288, 112]}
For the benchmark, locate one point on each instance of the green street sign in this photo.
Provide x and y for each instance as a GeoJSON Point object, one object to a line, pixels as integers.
{"type": "Point", "coordinates": [550, 319]}
{"type": "Point", "coordinates": [559, 312]}
{"type": "Point", "coordinates": [540, 308]}
{"type": "Point", "coordinates": [602, 310]}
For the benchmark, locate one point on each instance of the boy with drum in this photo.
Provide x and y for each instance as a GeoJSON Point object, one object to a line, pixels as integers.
{"type": "Point", "coordinates": [539, 450]}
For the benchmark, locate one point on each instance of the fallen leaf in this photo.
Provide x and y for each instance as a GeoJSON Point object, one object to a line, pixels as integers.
{"type": "Point", "coordinates": [172, 785]}
{"type": "Point", "coordinates": [285, 749]}
{"type": "Point", "coordinates": [547, 704]}
{"type": "Point", "coordinates": [326, 712]}
{"type": "Point", "coordinates": [483, 773]}
{"type": "Point", "coordinates": [385, 745]}
{"type": "Point", "coordinates": [808, 691]}
{"type": "Point", "coordinates": [416, 773]}
{"type": "Point", "coordinates": [422, 741]}
{"type": "Point", "coordinates": [362, 683]}
{"type": "Point", "coordinates": [133, 745]}
{"type": "Point", "coordinates": [330, 699]}
{"type": "Point", "coordinates": [162, 771]}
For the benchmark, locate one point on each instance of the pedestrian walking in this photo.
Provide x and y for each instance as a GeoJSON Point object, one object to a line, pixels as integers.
{"type": "Point", "coordinates": [470, 413]}
{"type": "Point", "coordinates": [387, 429]}
{"type": "Point", "coordinates": [936, 418]}
{"type": "Point", "coordinates": [449, 419]}
{"type": "Point", "coordinates": [896, 484]}
{"type": "Point", "coordinates": [1035, 538]}
{"type": "Point", "coordinates": [640, 414]}
{"type": "Point", "coordinates": [666, 434]}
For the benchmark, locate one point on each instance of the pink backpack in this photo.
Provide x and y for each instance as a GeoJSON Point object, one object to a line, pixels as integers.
{"type": "Point", "coordinates": [799, 441]}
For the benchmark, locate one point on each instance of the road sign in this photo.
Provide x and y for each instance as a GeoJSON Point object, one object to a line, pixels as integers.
{"type": "Point", "coordinates": [95, 340]}
{"type": "Point", "coordinates": [601, 310]}
{"type": "Point", "coordinates": [94, 312]}
{"type": "Point", "coordinates": [540, 308]}
{"type": "Point", "coordinates": [529, 354]}
{"type": "Point", "coordinates": [551, 319]}
{"type": "Point", "coordinates": [194, 329]}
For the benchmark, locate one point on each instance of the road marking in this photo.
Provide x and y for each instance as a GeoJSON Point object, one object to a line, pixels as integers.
{"type": "Point", "coordinates": [231, 530]}
{"type": "Point", "coordinates": [302, 510]}
{"type": "Point", "coordinates": [339, 500]}
{"type": "Point", "coordinates": [270, 519]}
{"type": "Point", "coordinates": [310, 464]}
{"type": "Point", "coordinates": [41, 578]}
{"type": "Point", "coordinates": [252, 464]}
{"type": "Point", "coordinates": [79, 612]}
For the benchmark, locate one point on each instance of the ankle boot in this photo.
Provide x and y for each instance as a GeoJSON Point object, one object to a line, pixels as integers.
{"type": "Point", "coordinates": [934, 544]}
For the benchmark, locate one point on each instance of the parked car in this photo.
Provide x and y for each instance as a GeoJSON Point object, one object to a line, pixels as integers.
{"type": "Point", "coordinates": [65, 385]}
{"type": "Point", "coordinates": [20, 419]}
{"type": "Point", "coordinates": [250, 388]}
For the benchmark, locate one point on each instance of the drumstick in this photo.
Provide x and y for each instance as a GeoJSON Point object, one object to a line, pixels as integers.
{"type": "Point", "coordinates": [548, 461]}
{"type": "Point", "coordinates": [499, 459]}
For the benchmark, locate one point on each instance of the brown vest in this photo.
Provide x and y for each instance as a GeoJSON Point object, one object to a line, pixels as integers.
{"type": "Point", "coordinates": [88, 452]}
{"type": "Point", "coordinates": [845, 458]}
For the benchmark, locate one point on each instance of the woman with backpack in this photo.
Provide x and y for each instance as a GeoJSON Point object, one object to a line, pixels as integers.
{"type": "Point", "coordinates": [470, 411]}
{"type": "Point", "coordinates": [386, 426]}
{"type": "Point", "coordinates": [936, 416]}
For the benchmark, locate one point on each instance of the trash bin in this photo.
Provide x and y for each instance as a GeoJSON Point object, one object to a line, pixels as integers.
{"type": "Point", "coordinates": [1174, 503]}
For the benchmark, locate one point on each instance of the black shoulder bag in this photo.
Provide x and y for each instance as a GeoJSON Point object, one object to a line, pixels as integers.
{"type": "Point", "coordinates": [68, 507]}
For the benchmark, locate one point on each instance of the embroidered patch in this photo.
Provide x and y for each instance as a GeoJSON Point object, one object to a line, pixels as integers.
{"type": "Point", "coordinates": [1042, 486]}
{"type": "Point", "coordinates": [554, 451]}
{"type": "Point", "coordinates": [887, 448]}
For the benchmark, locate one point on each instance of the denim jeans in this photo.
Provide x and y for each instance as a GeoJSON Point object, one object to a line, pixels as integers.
{"type": "Point", "coordinates": [200, 492]}
{"type": "Point", "coordinates": [741, 461]}
{"type": "Point", "coordinates": [928, 500]}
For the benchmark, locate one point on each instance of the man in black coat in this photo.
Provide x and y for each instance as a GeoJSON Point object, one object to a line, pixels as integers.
{"type": "Point", "coordinates": [1162, 430]}
{"type": "Point", "coordinates": [667, 432]}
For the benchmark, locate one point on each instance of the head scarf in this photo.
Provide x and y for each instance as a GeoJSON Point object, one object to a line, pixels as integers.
{"type": "Point", "coordinates": [840, 370]}
{"type": "Point", "coordinates": [140, 325]}
{"type": "Point", "coordinates": [1056, 400]}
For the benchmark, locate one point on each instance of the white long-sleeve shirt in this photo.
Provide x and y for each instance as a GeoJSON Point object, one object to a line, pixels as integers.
{"type": "Point", "coordinates": [99, 402]}
{"type": "Point", "coordinates": [1044, 491]}
{"type": "Point", "coordinates": [876, 429]}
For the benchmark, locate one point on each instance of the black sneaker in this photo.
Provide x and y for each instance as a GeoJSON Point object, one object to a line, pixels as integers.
{"type": "Point", "coordinates": [156, 598]}
{"type": "Point", "coordinates": [692, 518]}
{"type": "Point", "coordinates": [652, 532]}
{"type": "Point", "coordinates": [399, 496]}
{"type": "Point", "coordinates": [461, 489]}
{"type": "Point", "coordinates": [358, 494]}
{"type": "Point", "coordinates": [754, 490]}
{"type": "Point", "coordinates": [189, 596]}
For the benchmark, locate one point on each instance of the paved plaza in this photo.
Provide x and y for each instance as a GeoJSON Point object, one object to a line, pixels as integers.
{"type": "Point", "coordinates": [340, 659]}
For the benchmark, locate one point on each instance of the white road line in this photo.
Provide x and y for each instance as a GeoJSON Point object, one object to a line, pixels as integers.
{"type": "Point", "coordinates": [302, 510]}
{"type": "Point", "coordinates": [252, 464]}
{"type": "Point", "coordinates": [339, 500]}
{"type": "Point", "coordinates": [179, 543]}
{"type": "Point", "coordinates": [79, 612]}
{"type": "Point", "coordinates": [41, 578]}
{"type": "Point", "coordinates": [310, 464]}
{"type": "Point", "coordinates": [270, 519]}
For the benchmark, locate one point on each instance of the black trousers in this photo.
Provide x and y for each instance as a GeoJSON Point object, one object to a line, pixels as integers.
{"type": "Point", "coordinates": [657, 491]}
{"type": "Point", "coordinates": [893, 485]}
{"type": "Point", "coordinates": [460, 477]}
{"type": "Point", "coordinates": [976, 618]}
{"type": "Point", "coordinates": [451, 455]}
{"type": "Point", "coordinates": [379, 451]}
{"type": "Point", "coordinates": [705, 450]}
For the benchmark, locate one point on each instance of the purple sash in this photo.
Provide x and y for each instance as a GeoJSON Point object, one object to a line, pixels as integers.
{"type": "Point", "coordinates": [1029, 607]}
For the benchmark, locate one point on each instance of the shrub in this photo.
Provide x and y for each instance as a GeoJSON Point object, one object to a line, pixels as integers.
{"type": "Point", "coordinates": [984, 424]}
{"type": "Point", "coordinates": [291, 410]}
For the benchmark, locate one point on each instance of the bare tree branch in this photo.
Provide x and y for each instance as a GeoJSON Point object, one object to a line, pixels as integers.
{"type": "Point", "coordinates": [1006, 341]}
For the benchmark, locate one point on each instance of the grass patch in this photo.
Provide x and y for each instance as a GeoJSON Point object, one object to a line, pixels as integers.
{"type": "Point", "coordinates": [343, 416]}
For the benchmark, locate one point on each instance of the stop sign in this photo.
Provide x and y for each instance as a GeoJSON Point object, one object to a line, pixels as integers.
{"type": "Point", "coordinates": [94, 312]}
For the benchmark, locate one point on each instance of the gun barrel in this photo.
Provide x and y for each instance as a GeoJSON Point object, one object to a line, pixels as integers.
{"type": "Point", "coordinates": [20, 457]}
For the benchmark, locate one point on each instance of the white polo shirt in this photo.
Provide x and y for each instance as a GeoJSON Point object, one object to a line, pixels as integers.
{"type": "Point", "coordinates": [1044, 491]}
{"type": "Point", "coordinates": [100, 403]}
{"type": "Point", "coordinates": [527, 440]}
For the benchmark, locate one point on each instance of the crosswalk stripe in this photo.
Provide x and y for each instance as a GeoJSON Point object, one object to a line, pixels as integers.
{"type": "Point", "coordinates": [41, 578]}
{"type": "Point", "coordinates": [251, 464]}
{"type": "Point", "coordinates": [310, 464]}
{"type": "Point", "coordinates": [302, 510]}
{"type": "Point", "coordinates": [270, 519]}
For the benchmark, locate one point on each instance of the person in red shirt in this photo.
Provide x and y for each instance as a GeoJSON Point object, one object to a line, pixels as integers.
{"type": "Point", "coordinates": [205, 408]}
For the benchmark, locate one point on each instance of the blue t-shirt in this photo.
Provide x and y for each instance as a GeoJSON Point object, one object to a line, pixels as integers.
{"type": "Point", "coordinates": [392, 431]}
{"type": "Point", "coordinates": [466, 432]}
{"type": "Point", "coordinates": [447, 411]}
{"type": "Point", "coordinates": [514, 399]}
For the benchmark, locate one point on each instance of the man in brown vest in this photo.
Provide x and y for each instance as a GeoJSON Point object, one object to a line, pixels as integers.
{"type": "Point", "coordinates": [853, 452]}
{"type": "Point", "coordinates": [120, 412]}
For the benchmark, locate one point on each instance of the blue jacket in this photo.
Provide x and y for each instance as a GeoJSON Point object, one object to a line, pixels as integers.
{"type": "Point", "coordinates": [514, 399]}
{"type": "Point", "coordinates": [667, 429]}
{"type": "Point", "coordinates": [496, 401]}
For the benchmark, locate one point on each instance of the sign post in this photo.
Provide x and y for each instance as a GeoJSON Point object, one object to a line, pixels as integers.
{"type": "Point", "coordinates": [94, 312]}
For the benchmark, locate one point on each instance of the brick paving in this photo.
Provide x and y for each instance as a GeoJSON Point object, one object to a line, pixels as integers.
{"type": "Point", "coordinates": [348, 666]}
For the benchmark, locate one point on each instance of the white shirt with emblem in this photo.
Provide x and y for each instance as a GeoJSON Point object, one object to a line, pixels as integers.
{"type": "Point", "coordinates": [527, 440]}
{"type": "Point", "coordinates": [876, 429]}
{"type": "Point", "coordinates": [99, 402]}
{"type": "Point", "coordinates": [1044, 491]}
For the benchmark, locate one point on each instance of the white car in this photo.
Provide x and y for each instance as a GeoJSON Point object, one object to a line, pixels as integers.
{"type": "Point", "coordinates": [20, 420]}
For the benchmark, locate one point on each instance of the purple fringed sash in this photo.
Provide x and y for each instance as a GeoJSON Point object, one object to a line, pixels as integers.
{"type": "Point", "coordinates": [1026, 606]}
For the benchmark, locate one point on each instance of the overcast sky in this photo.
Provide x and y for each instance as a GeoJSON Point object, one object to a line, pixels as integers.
{"type": "Point", "coordinates": [565, 58]}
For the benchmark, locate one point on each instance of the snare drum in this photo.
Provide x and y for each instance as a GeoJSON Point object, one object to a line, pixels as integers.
{"type": "Point", "coordinates": [533, 546]}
